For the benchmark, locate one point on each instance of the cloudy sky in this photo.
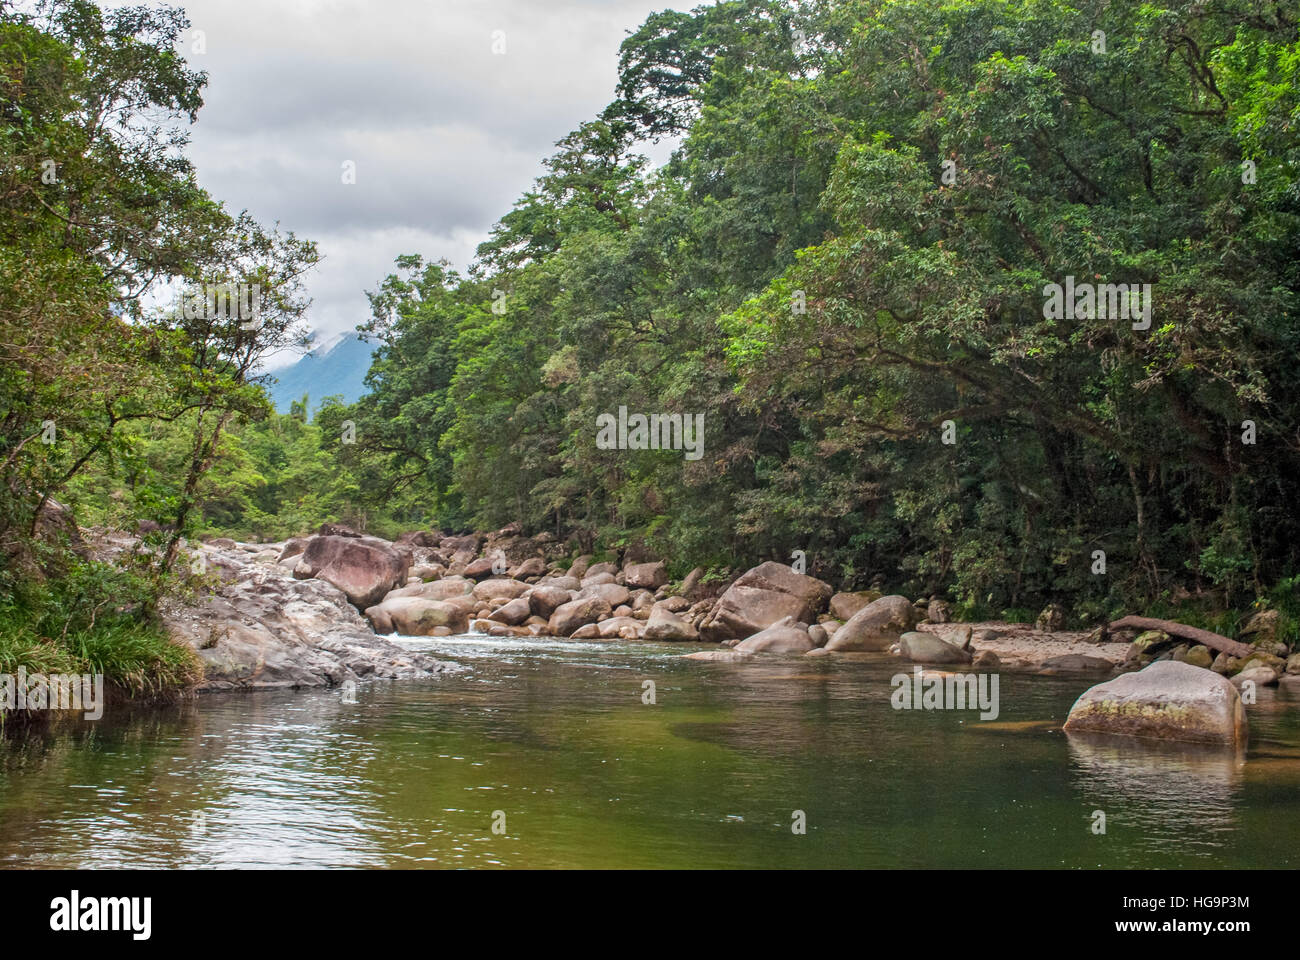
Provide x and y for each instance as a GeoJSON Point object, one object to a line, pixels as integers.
{"type": "Point", "coordinates": [444, 132]}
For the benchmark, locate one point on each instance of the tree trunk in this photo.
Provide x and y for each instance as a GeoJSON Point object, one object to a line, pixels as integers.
{"type": "Point", "coordinates": [1212, 640]}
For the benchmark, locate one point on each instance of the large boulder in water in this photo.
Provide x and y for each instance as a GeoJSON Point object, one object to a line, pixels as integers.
{"type": "Point", "coordinates": [418, 616]}
{"type": "Point", "coordinates": [761, 597]}
{"type": "Point", "coordinates": [784, 636]}
{"type": "Point", "coordinates": [663, 624]}
{"type": "Point", "coordinates": [1168, 700]}
{"type": "Point", "coordinates": [927, 648]}
{"type": "Point", "coordinates": [364, 568]}
{"type": "Point", "coordinates": [876, 626]}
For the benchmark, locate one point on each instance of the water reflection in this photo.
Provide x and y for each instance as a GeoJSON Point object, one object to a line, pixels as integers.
{"type": "Point", "coordinates": [556, 735]}
{"type": "Point", "coordinates": [1163, 791]}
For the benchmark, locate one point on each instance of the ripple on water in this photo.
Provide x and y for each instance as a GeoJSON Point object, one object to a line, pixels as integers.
{"type": "Point", "coordinates": [554, 736]}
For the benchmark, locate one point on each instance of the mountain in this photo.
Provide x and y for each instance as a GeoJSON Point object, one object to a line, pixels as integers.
{"type": "Point", "coordinates": [339, 368]}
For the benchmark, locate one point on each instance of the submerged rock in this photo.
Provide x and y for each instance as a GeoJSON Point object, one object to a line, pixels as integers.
{"type": "Point", "coordinates": [1166, 701]}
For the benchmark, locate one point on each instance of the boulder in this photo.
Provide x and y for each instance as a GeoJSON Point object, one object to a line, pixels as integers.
{"type": "Point", "coordinates": [938, 612]}
{"type": "Point", "coordinates": [612, 593]}
{"type": "Point", "coordinates": [262, 629]}
{"type": "Point", "coordinates": [666, 625]}
{"type": "Point", "coordinates": [1068, 663]}
{"type": "Point", "coordinates": [762, 597]}
{"type": "Point", "coordinates": [927, 648]}
{"type": "Point", "coordinates": [418, 616]}
{"type": "Point", "coordinates": [293, 547]}
{"type": "Point", "coordinates": [490, 589]}
{"type": "Point", "coordinates": [599, 568]}
{"type": "Point", "coordinates": [648, 576]}
{"type": "Point", "coordinates": [568, 617]}
{"type": "Point", "coordinates": [428, 571]}
{"type": "Point", "coordinates": [877, 626]}
{"type": "Point", "coordinates": [986, 660]}
{"type": "Point", "coordinates": [1167, 700]}
{"type": "Point", "coordinates": [1052, 618]}
{"type": "Point", "coordinates": [572, 584]}
{"type": "Point", "coordinates": [692, 581]}
{"type": "Point", "coordinates": [444, 589]}
{"type": "Point", "coordinates": [514, 612]}
{"type": "Point", "coordinates": [592, 579]}
{"type": "Point", "coordinates": [1260, 676]}
{"type": "Point", "coordinates": [480, 568]}
{"type": "Point", "coordinates": [465, 544]}
{"type": "Point", "coordinates": [532, 567]}
{"type": "Point", "coordinates": [621, 628]}
{"type": "Point", "coordinates": [845, 605]}
{"type": "Point", "coordinates": [1262, 626]}
{"type": "Point", "coordinates": [544, 600]}
{"type": "Point", "coordinates": [785, 636]}
{"type": "Point", "coordinates": [1199, 655]}
{"type": "Point", "coordinates": [364, 568]}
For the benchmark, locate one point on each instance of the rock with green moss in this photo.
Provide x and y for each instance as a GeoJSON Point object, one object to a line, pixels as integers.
{"type": "Point", "coordinates": [1262, 627]}
{"type": "Point", "coordinates": [1199, 655]}
{"type": "Point", "coordinates": [1167, 700]}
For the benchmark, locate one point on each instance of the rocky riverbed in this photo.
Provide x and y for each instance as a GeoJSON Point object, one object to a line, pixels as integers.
{"type": "Point", "coordinates": [325, 609]}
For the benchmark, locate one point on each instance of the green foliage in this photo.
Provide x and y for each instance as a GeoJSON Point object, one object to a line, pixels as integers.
{"type": "Point", "coordinates": [844, 264]}
{"type": "Point", "coordinates": [94, 619]}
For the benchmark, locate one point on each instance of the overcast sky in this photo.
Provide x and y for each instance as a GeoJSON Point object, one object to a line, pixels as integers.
{"type": "Point", "coordinates": [445, 133]}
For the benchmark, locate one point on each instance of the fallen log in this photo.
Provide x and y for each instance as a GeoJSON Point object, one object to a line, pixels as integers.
{"type": "Point", "coordinates": [1212, 640]}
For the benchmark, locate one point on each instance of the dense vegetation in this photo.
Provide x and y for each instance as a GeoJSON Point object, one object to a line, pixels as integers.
{"type": "Point", "coordinates": [812, 274]}
{"type": "Point", "coordinates": [100, 208]}
{"type": "Point", "coordinates": [844, 267]}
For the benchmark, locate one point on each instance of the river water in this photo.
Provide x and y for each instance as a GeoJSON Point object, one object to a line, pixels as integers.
{"type": "Point", "coordinates": [550, 742]}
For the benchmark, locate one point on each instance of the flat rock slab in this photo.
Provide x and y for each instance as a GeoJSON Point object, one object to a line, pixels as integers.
{"type": "Point", "coordinates": [264, 629]}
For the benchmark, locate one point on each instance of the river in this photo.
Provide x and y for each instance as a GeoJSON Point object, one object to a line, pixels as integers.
{"type": "Point", "coordinates": [550, 742]}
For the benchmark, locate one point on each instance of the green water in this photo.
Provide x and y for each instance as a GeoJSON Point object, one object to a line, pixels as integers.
{"type": "Point", "coordinates": [555, 736]}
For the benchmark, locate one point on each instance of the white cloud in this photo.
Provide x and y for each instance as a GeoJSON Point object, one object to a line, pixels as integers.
{"type": "Point", "coordinates": [445, 133]}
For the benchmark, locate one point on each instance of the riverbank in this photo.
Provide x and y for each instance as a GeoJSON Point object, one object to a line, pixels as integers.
{"type": "Point", "coordinates": [425, 583]}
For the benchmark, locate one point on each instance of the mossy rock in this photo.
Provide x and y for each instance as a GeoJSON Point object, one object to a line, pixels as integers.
{"type": "Point", "coordinates": [1151, 638]}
